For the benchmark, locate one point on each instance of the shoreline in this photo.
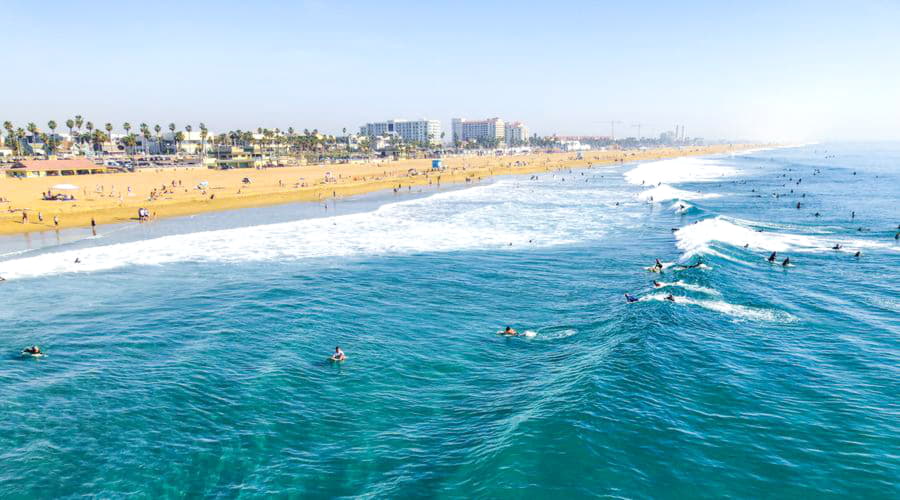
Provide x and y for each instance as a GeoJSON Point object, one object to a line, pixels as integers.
{"type": "Point", "coordinates": [226, 191]}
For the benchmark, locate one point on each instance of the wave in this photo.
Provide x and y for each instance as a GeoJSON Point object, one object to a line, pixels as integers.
{"type": "Point", "coordinates": [689, 286]}
{"type": "Point", "coordinates": [696, 239]}
{"type": "Point", "coordinates": [684, 169]}
{"type": "Point", "coordinates": [733, 310]}
{"type": "Point", "coordinates": [503, 215]}
{"type": "Point", "coordinates": [681, 207]}
{"type": "Point", "coordinates": [664, 192]}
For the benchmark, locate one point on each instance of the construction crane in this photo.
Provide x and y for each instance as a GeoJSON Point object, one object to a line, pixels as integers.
{"type": "Point", "coordinates": [638, 125]}
{"type": "Point", "coordinates": [612, 130]}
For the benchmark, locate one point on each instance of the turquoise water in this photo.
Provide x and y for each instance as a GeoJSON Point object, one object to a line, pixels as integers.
{"type": "Point", "coordinates": [187, 357]}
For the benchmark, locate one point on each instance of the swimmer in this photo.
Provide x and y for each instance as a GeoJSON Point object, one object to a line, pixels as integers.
{"type": "Point", "coordinates": [670, 298]}
{"type": "Point", "coordinates": [509, 331]}
{"type": "Point", "coordinates": [630, 298]}
{"type": "Point", "coordinates": [338, 354]}
{"type": "Point", "coordinates": [772, 257]}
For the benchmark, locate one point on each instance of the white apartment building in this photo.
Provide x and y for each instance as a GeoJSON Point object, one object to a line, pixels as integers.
{"type": "Point", "coordinates": [516, 133]}
{"type": "Point", "coordinates": [491, 128]}
{"type": "Point", "coordinates": [424, 131]}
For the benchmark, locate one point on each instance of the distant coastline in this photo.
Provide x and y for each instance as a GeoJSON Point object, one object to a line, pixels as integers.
{"type": "Point", "coordinates": [116, 198]}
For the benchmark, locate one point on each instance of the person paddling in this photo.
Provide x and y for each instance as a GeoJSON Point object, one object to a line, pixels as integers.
{"type": "Point", "coordinates": [338, 354]}
{"type": "Point", "coordinates": [772, 257]}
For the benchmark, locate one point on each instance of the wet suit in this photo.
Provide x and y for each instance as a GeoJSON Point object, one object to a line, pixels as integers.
{"type": "Point", "coordinates": [630, 298]}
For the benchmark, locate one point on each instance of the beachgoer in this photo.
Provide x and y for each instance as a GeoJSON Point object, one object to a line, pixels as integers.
{"type": "Point", "coordinates": [338, 354]}
{"type": "Point", "coordinates": [24, 217]}
{"type": "Point", "coordinates": [56, 220]}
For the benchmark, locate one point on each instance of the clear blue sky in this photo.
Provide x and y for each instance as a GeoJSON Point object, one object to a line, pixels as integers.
{"type": "Point", "coordinates": [762, 70]}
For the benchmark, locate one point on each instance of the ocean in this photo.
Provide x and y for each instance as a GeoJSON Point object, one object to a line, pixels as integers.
{"type": "Point", "coordinates": [188, 357]}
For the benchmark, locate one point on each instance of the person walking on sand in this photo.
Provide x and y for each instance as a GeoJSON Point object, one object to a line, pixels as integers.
{"type": "Point", "coordinates": [24, 217]}
{"type": "Point", "coordinates": [56, 220]}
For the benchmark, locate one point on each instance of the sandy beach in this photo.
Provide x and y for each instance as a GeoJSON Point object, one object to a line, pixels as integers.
{"type": "Point", "coordinates": [115, 198]}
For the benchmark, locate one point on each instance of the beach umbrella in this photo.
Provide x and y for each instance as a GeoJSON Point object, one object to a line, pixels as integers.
{"type": "Point", "coordinates": [65, 187]}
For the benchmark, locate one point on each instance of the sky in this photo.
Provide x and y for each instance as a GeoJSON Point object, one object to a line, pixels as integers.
{"type": "Point", "coordinates": [785, 71]}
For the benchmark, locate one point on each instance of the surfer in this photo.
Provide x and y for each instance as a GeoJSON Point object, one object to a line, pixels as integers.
{"type": "Point", "coordinates": [630, 298]}
{"type": "Point", "coordinates": [33, 350]}
{"type": "Point", "coordinates": [338, 354]}
{"type": "Point", "coordinates": [658, 266]}
{"type": "Point", "coordinates": [692, 266]}
{"type": "Point", "coordinates": [657, 284]}
{"type": "Point", "coordinates": [509, 331]}
{"type": "Point", "coordinates": [772, 257]}
{"type": "Point", "coordinates": [786, 262]}
{"type": "Point", "coordinates": [837, 246]}
{"type": "Point", "coordinates": [670, 298]}
{"type": "Point", "coordinates": [857, 254]}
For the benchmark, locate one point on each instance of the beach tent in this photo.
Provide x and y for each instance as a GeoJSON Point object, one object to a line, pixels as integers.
{"type": "Point", "coordinates": [65, 187]}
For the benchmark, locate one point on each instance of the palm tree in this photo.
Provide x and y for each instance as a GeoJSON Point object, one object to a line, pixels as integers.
{"type": "Point", "coordinates": [179, 137]}
{"type": "Point", "coordinates": [145, 132]}
{"type": "Point", "coordinates": [203, 134]}
{"type": "Point", "coordinates": [78, 122]}
{"type": "Point", "coordinates": [71, 124]}
{"type": "Point", "coordinates": [127, 127]}
{"type": "Point", "coordinates": [172, 129]}
{"type": "Point", "coordinates": [20, 136]}
{"type": "Point", "coordinates": [52, 140]}
{"type": "Point", "coordinates": [108, 128]}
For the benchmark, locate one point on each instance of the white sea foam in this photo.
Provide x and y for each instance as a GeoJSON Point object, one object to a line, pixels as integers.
{"type": "Point", "coordinates": [733, 310]}
{"type": "Point", "coordinates": [690, 286]}
{"type": "Point", "coordinates": [492, 216]}
{"type": "Point", "coordinates": [684, 169]}
{"type": "Point", "coordinates": [697, 238]}
{"type": "Point", "coordinates": [680, 207]}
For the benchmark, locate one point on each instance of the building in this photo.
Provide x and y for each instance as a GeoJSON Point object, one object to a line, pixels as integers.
{"type": "Point", "coordinates": [423, 131]}
{"type": "Point", "coordinates": [491, 129]}
{"type": "Point", "coordinates": [51, 168]}
{"type": "Point", "coordinates": [516, 133]}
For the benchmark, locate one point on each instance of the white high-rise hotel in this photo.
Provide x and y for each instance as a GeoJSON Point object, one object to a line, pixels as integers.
{"type": "Point", "coordinates": [425, 131]}
{"type": "Point", "coordinates": [489, 129]}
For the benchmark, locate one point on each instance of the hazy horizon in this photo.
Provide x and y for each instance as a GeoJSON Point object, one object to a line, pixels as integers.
{"type": "Point", "coordinates": [814, 71]}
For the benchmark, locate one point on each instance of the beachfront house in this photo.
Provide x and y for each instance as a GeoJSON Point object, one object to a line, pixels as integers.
{"type": "Point", "coordinates": [51, 168]}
